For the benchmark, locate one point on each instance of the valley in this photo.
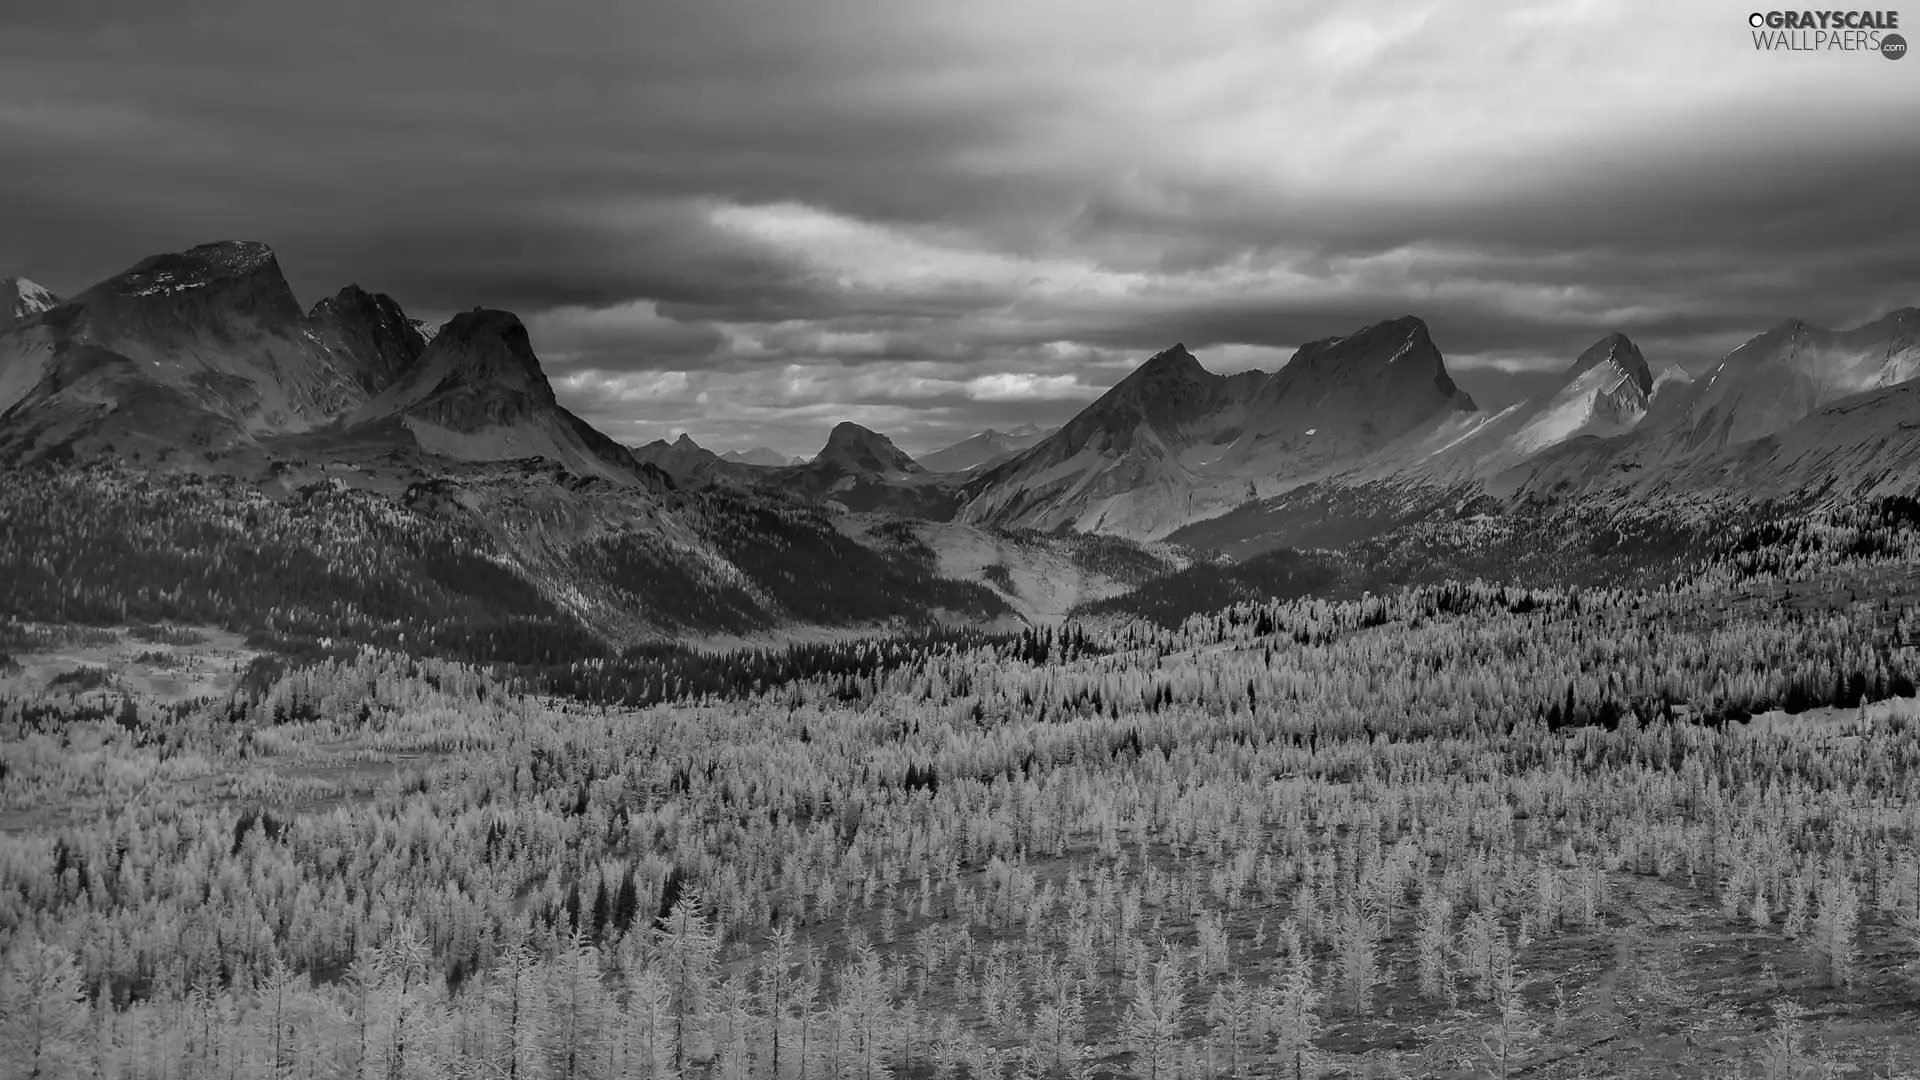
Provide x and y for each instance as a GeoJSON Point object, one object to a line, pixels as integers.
{"type": "Point", "coordinates": [1452, 830]}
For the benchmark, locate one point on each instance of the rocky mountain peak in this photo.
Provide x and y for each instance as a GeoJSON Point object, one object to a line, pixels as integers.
{"type": "Point", "coordinates": [193, 289]}
{"type": "Point", "coordinates": [373, 337]}
{"type": "Point", "coordinates": [1392, 366]}
{"type": "Point", "coordinates": [21, 300]}
{"type": "Point", "coordinates": [489, 345]}
{"type": "Point", "coordinates": [1620, 351]}
{"type": "Point", "coordinates": [865, 450]}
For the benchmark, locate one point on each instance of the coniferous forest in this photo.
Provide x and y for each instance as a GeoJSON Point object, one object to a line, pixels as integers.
{"type": "Point", "coordinates": [1462, 827]}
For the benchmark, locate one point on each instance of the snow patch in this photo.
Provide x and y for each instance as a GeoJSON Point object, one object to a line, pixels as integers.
{"type": "Point", "coordinates": [163, 283]}
{"type": "Point", "coordinates": [33, 298]}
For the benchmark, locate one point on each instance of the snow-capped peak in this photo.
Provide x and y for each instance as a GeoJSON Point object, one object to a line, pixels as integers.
{"type": "Point", "coordinates": [22, 299]}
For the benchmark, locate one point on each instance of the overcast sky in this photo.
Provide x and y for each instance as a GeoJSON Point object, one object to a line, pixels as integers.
{"type": "Point", "coordinates": [750, 220]}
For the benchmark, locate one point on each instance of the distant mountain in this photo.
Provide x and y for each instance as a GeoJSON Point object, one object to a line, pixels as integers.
{"type": "Point", "coordinates": [1175, 443]}
{"type": "Point", "coordinates": [760, 456]}
{"type": "Point", "coordinates": [1794, 369]}
{"type": "Point", "coordinates": [862, 470]}
{"type": "Point", "coordinates": [21, 300]}
{"type": "Point", "coordinates": [854, 450]}
{"type": "Point", "coordinates": [683, 459]}
{"type": "Point", "coordinates": [477, 393]}
{"type": "Point", "coordinates": [984, 448]}
{"type": "Point", "coordinates": [1776, 394]}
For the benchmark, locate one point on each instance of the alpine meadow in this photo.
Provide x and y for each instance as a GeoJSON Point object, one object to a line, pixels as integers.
{"type": "Point", "coordinates": [1005, 541]}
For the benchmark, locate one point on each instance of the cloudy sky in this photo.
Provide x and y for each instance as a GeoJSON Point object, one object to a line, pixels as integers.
{"type": "Point", "coordinates": [750, 219]}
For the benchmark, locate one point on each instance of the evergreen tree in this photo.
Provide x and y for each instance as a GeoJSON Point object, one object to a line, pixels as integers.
{"type": "Point", "coordinates": [43, 1013]}
{"type": "Point", "coordinates": [688, 957]}
{"type": "Point", "coordinates": [1154, 1018]}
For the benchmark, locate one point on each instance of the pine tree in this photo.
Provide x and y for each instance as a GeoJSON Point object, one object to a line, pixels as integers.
{"type": "Point", "coordinates": [1059, 1020]}
{"type": "Point", "coordinates": [866, 1009]}
{"type": "Point", "coordinates": [1834, 947]}
{"type": "Point", "coordinates": [652, 1052]}
{"type": "Point", "coordinates": [1511, 1029]}
{"type": "Point", "coordinates": [43, 1013]}
{"type": "Point", "coordinates": [1296, 1022]}
{"type": "Point", "coordinates": [1356, 937]}
{"type": "Point", "coordinates": [1233, 1015]}
{"type": "Point", "coordinates": [733, 1017]}
{"type": "Point", "coordinates": [1154, 1017]}
{"type": "Point", "coordinates": [778, 969]}
{"type": "Point", "coordinates": [1436, 976]}
{"type": "Point", "coordinates": [277, 1005]}
{"type": "Point", "coordinates": [689, 954]}
{"type": "Point", "coordinates": [577, 1007]}
{"type": "Point", "coordinates": [516, 996]}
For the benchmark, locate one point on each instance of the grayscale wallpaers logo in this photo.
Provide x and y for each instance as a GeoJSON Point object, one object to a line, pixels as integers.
{"type": "Point", "coordinates": [1828, 31]}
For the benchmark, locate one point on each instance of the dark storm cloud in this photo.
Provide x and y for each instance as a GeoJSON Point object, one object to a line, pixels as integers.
{"type": "Point", "coordinates": [942, 216]}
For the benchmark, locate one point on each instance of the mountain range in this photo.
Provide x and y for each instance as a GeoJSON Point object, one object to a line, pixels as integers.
{"type": "Point", "coordinates": [203, 360]}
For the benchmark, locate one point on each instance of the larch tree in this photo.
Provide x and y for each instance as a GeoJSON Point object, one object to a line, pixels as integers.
{"type": "Point", "coordinates": [1155, 1016]}
{"type": "Point", "coordinates": [688, 952]}
{"type": "Point", "coordinates": [43, 1013]}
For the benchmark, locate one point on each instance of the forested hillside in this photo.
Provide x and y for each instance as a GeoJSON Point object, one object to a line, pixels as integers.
{"type": "Point", "coordinates": [475, 572]}
{"type": "Point", "coordinates": [1460, 829]}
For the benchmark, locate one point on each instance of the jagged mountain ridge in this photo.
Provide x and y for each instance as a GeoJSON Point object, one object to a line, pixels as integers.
{"type": "Point", "coordinates": [198, 351]}
{"type": "Point", "coordinates": [1776, 394]}
{"type": "Point", "coordinates": [1795, 369]}
{"type": "Point", "coordinates": [477, 393]}
{"type": "Point", "coordinates": [206, 351]}
{"type": "Point", "coordinates": [1166, 452]}
{"type": "Point", "coordinates": [203, 362]}
{"type": "Point", "coordinates": [683, 459]}
{"type": "Point", "coordinates": [1174, 442]}
{"type": "Point", "coordinates": [205, 354]}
